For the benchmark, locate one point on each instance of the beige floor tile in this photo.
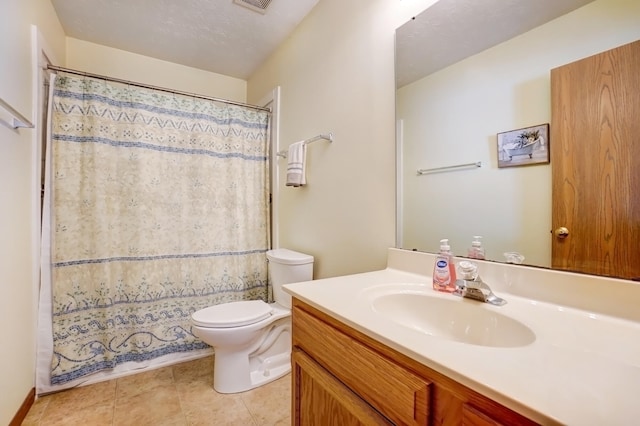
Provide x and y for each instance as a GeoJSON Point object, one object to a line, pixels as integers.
{"type": "Point", "coordinates": [199, 369]}
{"type": "Point", "coordinates": [130, 386]}
{"type": "Point", "coordinates": [94, 415]}
{"type": "Point", "coordinates": [36, 411]}
{"type": "Point", "coordinates": [204, 406]}
{"type": "Point", "coordinates": [77, 399]}
{"type": "Point", "coordinates": [270, 403]}
{"type": "Point", "coordinates": [87, 395]}
{"type": "Point", "coordinates": [283, 422]}
{"type": "Point", "coordinates": [179, 395]}
{"type": "Point", "coordinates": [174, 420]}
{"type": "Point", "coordinates": [158, 406]}
{"type": "Point", "coordinates": [197, 391]}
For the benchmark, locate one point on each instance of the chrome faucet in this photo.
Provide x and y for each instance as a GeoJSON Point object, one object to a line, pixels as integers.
{"type": "Point", "coordinates": [472, 286]}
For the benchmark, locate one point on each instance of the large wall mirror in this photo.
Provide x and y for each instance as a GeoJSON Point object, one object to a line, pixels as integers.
{"type": "Point", "coordinates": [465, 72]}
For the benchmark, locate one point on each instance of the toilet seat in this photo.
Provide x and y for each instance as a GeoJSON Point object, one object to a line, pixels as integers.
{"type": "Point", "coordinates": [233, 314]}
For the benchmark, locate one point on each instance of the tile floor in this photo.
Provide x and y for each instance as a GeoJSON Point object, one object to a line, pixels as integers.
{"type": "Point", "coordinates": [181, 394]}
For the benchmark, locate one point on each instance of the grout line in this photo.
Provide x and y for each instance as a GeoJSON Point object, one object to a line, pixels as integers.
{"type": "Point", "coordinates": [45, 403]}
{"type": "Point", "coordinates": [180, 400]}
{"type": "Point", "coordinates": [253, 418]}
{"type": "Point", "coordinates": [115, 401]}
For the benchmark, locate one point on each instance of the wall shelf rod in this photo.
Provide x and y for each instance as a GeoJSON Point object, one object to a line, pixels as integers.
{"type": "Point", "coordinates": [446, 168]}
{"type": "Point", "coordinates": [328, 137]}
{"type": "Point", "coordinates": [15, 118]}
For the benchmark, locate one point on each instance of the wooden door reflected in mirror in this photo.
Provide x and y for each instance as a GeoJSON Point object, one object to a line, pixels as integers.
{"type": "Point", "coordinates": [595, 105]}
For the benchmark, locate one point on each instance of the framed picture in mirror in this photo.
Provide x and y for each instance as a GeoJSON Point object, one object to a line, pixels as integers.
{"type": "Point", "coordinates": [523, 147]}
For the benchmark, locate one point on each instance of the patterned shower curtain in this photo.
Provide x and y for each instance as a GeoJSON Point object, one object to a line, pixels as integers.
{"type": "Point", "coordinates": [159, 208]}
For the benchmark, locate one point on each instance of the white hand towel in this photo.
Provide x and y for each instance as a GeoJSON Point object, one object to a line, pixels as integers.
{"type": "Point", "coordinates": [296, 163]}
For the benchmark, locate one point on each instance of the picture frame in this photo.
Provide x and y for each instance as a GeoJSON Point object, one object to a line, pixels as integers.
{"type": "Point", "coordinates": [524, 147]}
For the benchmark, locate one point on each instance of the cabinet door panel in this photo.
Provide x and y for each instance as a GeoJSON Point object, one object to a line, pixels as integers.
{"type": "Point", "coordinates": [400, 395]}
{"type": "Point", "coordinates": [474, 417]}
{"type": "Point", "coordinates": [320, 399]}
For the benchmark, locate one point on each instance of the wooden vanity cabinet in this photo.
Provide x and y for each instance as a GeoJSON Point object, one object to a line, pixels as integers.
{"type": "Point", "coordinates": [343, 377]}
{"type": "Point", "coordinates": [321, 399]}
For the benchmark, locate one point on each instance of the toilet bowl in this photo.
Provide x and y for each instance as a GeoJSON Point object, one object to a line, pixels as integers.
{"type": "Point", "coordinates": [252, 339]}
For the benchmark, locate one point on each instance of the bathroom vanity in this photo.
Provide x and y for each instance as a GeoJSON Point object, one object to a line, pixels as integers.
{"type": "Point", "coordinates": [384, 348]}
{"type": "Point", "coordinates": [341, 376]}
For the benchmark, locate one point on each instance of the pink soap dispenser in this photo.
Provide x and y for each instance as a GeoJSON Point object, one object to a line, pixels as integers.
{"type": "Point", "coordinates": [444, 270]}
{"type": "Point", "coordinates": [476, 251]}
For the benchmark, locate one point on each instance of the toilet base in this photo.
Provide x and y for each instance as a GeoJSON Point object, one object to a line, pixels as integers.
{"type": "Point", "coordinates": [276, 367]}
{"type": "Point", "coordinates": [226, 378]}
{"type": "Point", "coordinates": [233, 373]}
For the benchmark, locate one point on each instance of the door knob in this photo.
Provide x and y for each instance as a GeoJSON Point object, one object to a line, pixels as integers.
{"type": "Point", "coordinates": [562, 232]}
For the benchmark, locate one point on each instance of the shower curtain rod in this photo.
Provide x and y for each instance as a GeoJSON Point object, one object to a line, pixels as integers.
{"type": "Point", "coordinates": [148, 86]}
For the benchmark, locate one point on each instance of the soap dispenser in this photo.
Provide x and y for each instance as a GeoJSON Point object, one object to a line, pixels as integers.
{"type": "Point", "coordinates": [476, 251]}
{"type": "Point", "coordinates": [444, 270]}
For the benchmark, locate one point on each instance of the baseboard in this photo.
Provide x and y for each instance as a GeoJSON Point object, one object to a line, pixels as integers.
{"type": "Point", "coordinates": [24, 408]}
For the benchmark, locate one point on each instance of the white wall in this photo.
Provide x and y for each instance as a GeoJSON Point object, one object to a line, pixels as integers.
{"type": "Point", "coordinates": [103, 60]}
{"type": "Point", "coordinates": [17, 304]}
{"type": "Point", "coordinates": [337, 75]}
{"type": "Point", "coordinates": [453, 116]}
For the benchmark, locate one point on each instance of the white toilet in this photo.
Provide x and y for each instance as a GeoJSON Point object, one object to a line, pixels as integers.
{"type": "Point", "coordinates": [252, 339]}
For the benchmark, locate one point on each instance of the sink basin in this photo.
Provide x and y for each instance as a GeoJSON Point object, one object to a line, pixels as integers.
{"type": "Point", "coordinates": [453, 318]}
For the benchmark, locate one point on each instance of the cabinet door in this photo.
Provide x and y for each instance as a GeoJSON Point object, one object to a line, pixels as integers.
{"type": "Point", "coordinates": [393, 390]}
{"type": "Point", "coordinates": [474, 417]}
{"type": "Point", "coordinates": [321, 399]}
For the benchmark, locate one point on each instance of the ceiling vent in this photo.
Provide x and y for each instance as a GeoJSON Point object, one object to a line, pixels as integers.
{"type": "Point", "coordinates": [259, 6]}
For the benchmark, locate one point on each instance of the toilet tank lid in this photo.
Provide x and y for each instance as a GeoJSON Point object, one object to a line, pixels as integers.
{"type": "Point", "coordinates": [288, 257]}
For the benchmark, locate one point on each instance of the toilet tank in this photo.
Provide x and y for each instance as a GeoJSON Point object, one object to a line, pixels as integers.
{"type": "Point", "coordinates": [287, 266]}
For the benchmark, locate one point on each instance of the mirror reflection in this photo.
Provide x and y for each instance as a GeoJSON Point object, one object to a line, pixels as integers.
{"type": "Point", "coordinates": [466, 73]}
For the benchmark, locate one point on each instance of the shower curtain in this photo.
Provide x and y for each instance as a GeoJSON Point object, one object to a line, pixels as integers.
{"type": "Point", "coordinates": [158, 208]}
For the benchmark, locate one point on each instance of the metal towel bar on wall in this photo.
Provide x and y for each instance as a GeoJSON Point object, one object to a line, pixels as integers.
{"type": "Point", "coordinates": [15, 118]}
{"type": "Point", "coordinates": [328, 137]}
{"type": "Point", "coordinates": [446, 168]}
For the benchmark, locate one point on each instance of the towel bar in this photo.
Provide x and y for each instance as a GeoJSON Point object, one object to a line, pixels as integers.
{"type": "Point", "coordinates": [455, 167]}
{"type": "Point", "coordinates": [328, 137]}
{"type": "Point", "coordinates": [16, 119]}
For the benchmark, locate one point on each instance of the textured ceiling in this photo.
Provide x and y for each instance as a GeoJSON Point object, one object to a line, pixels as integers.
{"type": "Point", "coordinates": [451, 30]}
{"type": "Point", "coordinates": [223, 37]}
{"type": "Point", "coordinates": [214, 35]}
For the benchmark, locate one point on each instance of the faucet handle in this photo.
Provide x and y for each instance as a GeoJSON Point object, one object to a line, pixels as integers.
{"type": "Point", "coordinates": [467, 270]}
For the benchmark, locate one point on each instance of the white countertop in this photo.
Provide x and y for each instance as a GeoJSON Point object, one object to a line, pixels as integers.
{"type": "Point", "coordinates": [582, 369]}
